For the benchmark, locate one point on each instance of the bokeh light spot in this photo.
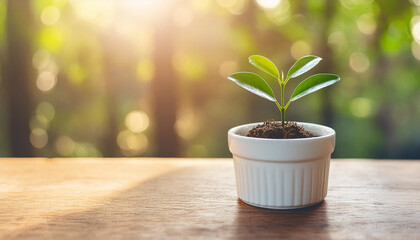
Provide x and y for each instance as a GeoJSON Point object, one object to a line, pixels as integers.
{"type": "Point", "coordinates": [187, 124]}
{"type": "Point", "coordinates": [338, 41]}
{"type": "Point", "coordinates": [50, 15]}
{"type": "Point", "coordinates": [415, 49]}
{"type": "Point", "coordinates": [280, 14]}
{"type": "Point", "coordinates": [46, 81]}
{"type": "Point", "coordinates": [41, 59]}
{"type": "Point", "coordinates": [38, 121]}
{"type": "Point", "coordinates": [367, 23]}
{"type": "Point", "coordinates": [131, 143]}
{"type": "Point", "coordinates": [415, 28]}
{"type": "Point", "coordinates": [51, 38]}
{"type": "Point", "coordinates": [38, 138]}
{"type": "Point", "coordinates": [359, 62]}
{"type": "Point", "coordinates": [137, 121]}
{"type": "Point", "coordinates": [64, 146]}
{"type": "Point", "coordinates": [86, 150]}
{"type": "Point", "coordinates": [300, 49]}
{"type": "Point", "coordinates": [235, 7]}
{"type": "Point", "coordinates": [46, 109]}
{"type": "Point", "coordinates": [361, 107]}
{"type": "Point", "coordinates": [238, 8]}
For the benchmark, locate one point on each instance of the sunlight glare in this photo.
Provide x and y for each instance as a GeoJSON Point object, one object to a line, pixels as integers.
{"type": "Point", "coordinates": [145, 40]}
{"type": "Point", "coordinates": [190, 67]}
{"type": "Point", "coordinates": [182, 16]}
{"type": "Point", "coordinates": [280, 14]}
{"type": "Point", "coordinates": [201, 5]}
{"type": "Point", "coordinates": [226, 3]}
{"type": "Point", "coordinates": [95, 11]}
{"type": "Point", "coordinates": [235, 7]}
{"type": "Point", "coordinates": [268, 4]}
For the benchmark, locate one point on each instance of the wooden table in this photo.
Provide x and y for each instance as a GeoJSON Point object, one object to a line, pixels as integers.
{"type": "Point", "coordinates": [196, 199]}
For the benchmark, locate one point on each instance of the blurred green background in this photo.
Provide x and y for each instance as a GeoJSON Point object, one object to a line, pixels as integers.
{"type": "Point", "coordinates": [148, 77]}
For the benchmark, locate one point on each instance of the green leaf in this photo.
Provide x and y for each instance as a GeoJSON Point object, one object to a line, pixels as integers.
{"type": "Point", "coordinates": [314, 83]}
{"type": "Point", "coordinates": [303, 65]}
{"type": "Point", "coordinates": [264, 64]}
{"type": "Point", "coordinates": [253, 83]}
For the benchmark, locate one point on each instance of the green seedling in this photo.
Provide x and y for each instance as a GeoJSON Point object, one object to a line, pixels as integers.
{"type": "Point", "coordinates": [257, 85]}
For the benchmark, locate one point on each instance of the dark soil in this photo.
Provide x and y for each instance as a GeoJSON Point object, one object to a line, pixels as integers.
{"type": "Point", "coordinates": [272, 129]}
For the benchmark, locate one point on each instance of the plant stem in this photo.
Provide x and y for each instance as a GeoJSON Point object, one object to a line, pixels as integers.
{"type": "Point", "coordinates": [278, 105]}
{"type": "Point", "coordinates": [282, 116]}
{"type": "Point", "coordinates": [287, 105]}
{"type": "Point", "coordinates": [282, 102]}
{"type": "Point", "coordinates": [281, 106]}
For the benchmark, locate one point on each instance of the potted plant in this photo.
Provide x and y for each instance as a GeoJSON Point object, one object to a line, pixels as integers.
{"type": "Point", "coordinates": [282, 165]}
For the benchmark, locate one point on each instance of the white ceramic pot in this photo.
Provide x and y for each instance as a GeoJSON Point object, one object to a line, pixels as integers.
{"type": "Point", "coordinates": [282, 173]}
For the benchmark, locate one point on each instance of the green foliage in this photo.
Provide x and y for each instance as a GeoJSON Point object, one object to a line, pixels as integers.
{"type": "Point", "coordinates": [257, 85]}
{"type": "Point", "coordinates": [314, 83]}
{"type": "Point", "coordinates": [253, 83]}
{"type": "Point", "coordinates": [303, 65]}
{"type": "Point", "coordinates": [264, 64]}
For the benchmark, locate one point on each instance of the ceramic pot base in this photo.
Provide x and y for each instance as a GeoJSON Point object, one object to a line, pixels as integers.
{"type": "Point", "coordinates": [283, 208]}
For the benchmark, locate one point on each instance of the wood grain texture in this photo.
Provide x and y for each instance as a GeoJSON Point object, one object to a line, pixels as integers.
{"type": "Point", "coordinates": [196, 199]}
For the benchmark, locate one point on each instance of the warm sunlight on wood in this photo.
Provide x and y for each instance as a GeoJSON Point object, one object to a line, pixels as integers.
{"type": "Point", "coordinates": [48, 188]}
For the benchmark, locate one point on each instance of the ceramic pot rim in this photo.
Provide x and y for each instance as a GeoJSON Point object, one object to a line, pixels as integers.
{"type": "Point", "coordinates": [328, 133]}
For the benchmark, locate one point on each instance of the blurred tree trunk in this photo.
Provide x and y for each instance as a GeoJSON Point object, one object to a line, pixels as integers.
{"type": "Point", "coordinates": [165, 87]}
{"type": "Point", "coordinates": [110, 147]}
{"type": "Point", "coordinates": [326, 53]}
{"type": "Point", "coordinates": [18, 76]}
{"type": "Point", "coordinates": [388, 12]}
{"type": "Point", "coordinates": [382, 119]}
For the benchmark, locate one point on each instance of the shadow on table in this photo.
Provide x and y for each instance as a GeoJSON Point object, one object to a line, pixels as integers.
{"type": "Point", "coordinates": [196, 202]}
{"type": "Point", "coordinates": [307, 223]}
